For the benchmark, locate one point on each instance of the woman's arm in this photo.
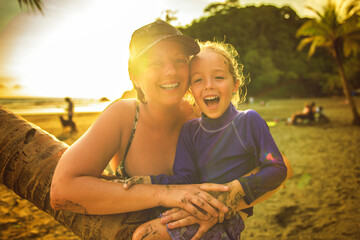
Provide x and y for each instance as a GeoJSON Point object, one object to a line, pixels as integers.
{"type": "Point", "coordinates": [77, 186]}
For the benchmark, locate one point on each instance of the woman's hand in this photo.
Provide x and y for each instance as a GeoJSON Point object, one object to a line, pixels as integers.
{"type": "Point", "coordinates": [180, 218]}
{"type": "Point", "coordinates": [195, 199]}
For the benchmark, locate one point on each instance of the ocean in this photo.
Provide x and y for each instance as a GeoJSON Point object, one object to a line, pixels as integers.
{"type": "Point", "coordinates": [28, 106]}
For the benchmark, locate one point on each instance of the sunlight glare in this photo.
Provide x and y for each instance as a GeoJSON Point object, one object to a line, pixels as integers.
{"type": "Point", "coordinates": [85, 55]}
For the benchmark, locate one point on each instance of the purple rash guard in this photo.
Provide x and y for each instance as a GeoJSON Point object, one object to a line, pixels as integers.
{"type": "Point", "coordinates": [223, 149]}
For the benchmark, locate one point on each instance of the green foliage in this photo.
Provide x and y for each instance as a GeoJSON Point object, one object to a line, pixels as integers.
{"type": "Point", "coordinates": [218, 7]}
{"type": "Point", "coordinates": [265, 38]}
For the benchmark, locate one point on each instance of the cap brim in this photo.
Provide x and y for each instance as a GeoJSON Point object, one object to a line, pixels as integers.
{"type": "Point", "coordinates": [191, 46]}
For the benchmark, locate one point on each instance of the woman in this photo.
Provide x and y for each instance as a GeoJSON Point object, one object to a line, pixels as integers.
{"type": "Point", "coordinates": [159, 70]}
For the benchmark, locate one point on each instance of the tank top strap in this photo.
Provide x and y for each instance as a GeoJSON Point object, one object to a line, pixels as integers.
{"type": "Point", "coordinates": [120, 171]}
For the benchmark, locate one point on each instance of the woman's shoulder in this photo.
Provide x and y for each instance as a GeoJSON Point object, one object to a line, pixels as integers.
{"type": "Point", "coordinates": [120, 112]}
{"type": "Point", "coordinates": [121, 107]}
{"type": "Point", "coordinates": [122, 104]}
{"type": "Point", "coordinates": [190, 111]}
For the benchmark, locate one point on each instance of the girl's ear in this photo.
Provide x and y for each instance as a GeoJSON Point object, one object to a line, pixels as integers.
{"type": "Point", "coordinates": [236, 85]}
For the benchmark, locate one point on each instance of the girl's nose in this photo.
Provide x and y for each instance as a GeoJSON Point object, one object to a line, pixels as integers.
{"type": "Point", "coordinates": [208, 84]}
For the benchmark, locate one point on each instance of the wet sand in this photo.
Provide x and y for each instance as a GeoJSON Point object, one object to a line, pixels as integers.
{"type": "Point", "coordinates": [321, 201]}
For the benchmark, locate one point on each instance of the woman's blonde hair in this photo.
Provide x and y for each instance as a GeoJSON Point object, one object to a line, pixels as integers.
{"type": "Point", "coordinates": [235, 68]}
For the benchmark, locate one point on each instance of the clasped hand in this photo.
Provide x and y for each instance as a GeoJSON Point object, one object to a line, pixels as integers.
{"type": "Point", "coordinates": [177, 217]}
{"type": "Point", "coordinates": [193, 198]}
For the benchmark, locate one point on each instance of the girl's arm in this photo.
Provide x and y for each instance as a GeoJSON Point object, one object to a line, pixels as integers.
{"type": "Point", "coordinates": [179, 218]}
{"type": "Point", "coordinates": [232, 200]}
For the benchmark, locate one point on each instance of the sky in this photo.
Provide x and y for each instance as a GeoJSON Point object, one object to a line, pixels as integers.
{"type": "Point", "coordinates": [79, 48]}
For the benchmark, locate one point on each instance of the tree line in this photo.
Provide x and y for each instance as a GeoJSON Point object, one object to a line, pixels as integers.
{"type": "Point", "coordinates": [265, 38]}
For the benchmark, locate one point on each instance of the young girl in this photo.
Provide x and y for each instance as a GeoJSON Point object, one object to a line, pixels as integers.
{"type": "Point", "coordinates": [219, 147]}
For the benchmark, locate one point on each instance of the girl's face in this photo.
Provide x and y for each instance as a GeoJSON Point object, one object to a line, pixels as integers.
{"type": "Point", "coordinates": [164, 73]}
{"type": "Point", "coordinates": [211, 83]}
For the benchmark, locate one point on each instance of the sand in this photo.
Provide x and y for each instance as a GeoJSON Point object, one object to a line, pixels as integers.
{"type": "Point", "coordinates": [321, 201]}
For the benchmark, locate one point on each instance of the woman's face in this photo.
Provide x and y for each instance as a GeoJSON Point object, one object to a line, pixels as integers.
{"type": "Point", "coordinates": [164, 73]}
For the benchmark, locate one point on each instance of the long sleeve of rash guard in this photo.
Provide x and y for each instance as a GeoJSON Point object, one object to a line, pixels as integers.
{"type": "Point", "coordinates": [262, 146]}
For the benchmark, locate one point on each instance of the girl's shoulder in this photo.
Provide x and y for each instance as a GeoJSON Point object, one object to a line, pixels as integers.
{"type": "Point", "coordinates": [249, 113]}
{"type": "Point", "coordinates": [250, 116]}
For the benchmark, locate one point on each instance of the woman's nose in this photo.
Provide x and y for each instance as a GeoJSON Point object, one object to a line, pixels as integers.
{"type": "Point", "coordinates": [169, 68]}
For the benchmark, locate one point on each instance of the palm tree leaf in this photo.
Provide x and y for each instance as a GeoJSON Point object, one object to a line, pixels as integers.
{"type": "Point", "coordinates": [319, 41]}
{"type": "Point", "coordinates": [34, 5]}
{"type": "Point", "coordinates": [304, 42]}
{"type": "Point", "coordinates": [351, 46]}
{"type": "Point", "coordinates": [336, 27]}
{"type": "Point", "coordinates": [353, 9]}
{"type": "Point", "coordinates": [317, 13]}
{"type": "Point", "coordinates": [311, 28]}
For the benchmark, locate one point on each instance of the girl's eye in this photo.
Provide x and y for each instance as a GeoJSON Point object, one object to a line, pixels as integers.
{"type": "Point", "coordinates": [219, 77]}
{"type": "Point", "coordinates": [196, 80]}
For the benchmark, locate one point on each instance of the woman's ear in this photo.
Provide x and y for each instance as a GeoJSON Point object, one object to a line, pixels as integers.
{"type": "Point", "coordinates": [134, 80]}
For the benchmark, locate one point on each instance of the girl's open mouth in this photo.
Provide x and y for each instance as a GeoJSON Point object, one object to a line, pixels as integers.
{"type": "Point", "coordinates": [213, 100]}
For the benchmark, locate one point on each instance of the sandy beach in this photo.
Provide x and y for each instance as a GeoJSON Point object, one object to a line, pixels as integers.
{"type": "Point", "coordinates": [321, 201]}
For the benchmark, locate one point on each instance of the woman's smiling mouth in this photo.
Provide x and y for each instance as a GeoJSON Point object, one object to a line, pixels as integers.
{"type": "Point", "coordinates": [169, 86]}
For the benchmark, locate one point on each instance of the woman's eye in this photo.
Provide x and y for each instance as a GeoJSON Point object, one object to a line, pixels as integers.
{"type": "Point", "coordinates": [154, 63]}
{"type": "Point", "coordinates": [181, 60]}
{"type": "Point", "coordinates": [219, 77]}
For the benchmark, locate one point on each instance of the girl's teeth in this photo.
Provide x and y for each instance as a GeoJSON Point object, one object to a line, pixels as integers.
{"type": "Point", "coordinates": [167, 86]}
{"type": "Point", "coordinates": [210, 98]}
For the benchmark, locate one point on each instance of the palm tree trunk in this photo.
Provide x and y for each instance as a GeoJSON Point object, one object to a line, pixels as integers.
{"type": "Point", "coordinates": [28, 157]}
{"type": "Point", "coordinates": [356, 120]}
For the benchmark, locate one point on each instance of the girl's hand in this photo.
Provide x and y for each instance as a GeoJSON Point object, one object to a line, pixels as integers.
{"type": "Point", "coordinates": [137, 180]}
{"type": "Point", "coordinates": [194, 199]}
{"type": "Point", "coordinates": [233, 198]}
{"type": "Point", "coordinates": [180, 218]}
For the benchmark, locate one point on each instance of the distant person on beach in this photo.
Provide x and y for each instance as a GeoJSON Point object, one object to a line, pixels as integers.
{"type": "Point", "coordinates": [70, 112]}
{"type": "Point", "coordinates": [308, 113]}
{"type": "Point", "coordinates": [320, 117]}
{"type": "Point", "coordinates": [70, 108]}
{"type": "Point", "coordinates": [221, 146]}
{"type": "Point", "coordinates": [139, 137]}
